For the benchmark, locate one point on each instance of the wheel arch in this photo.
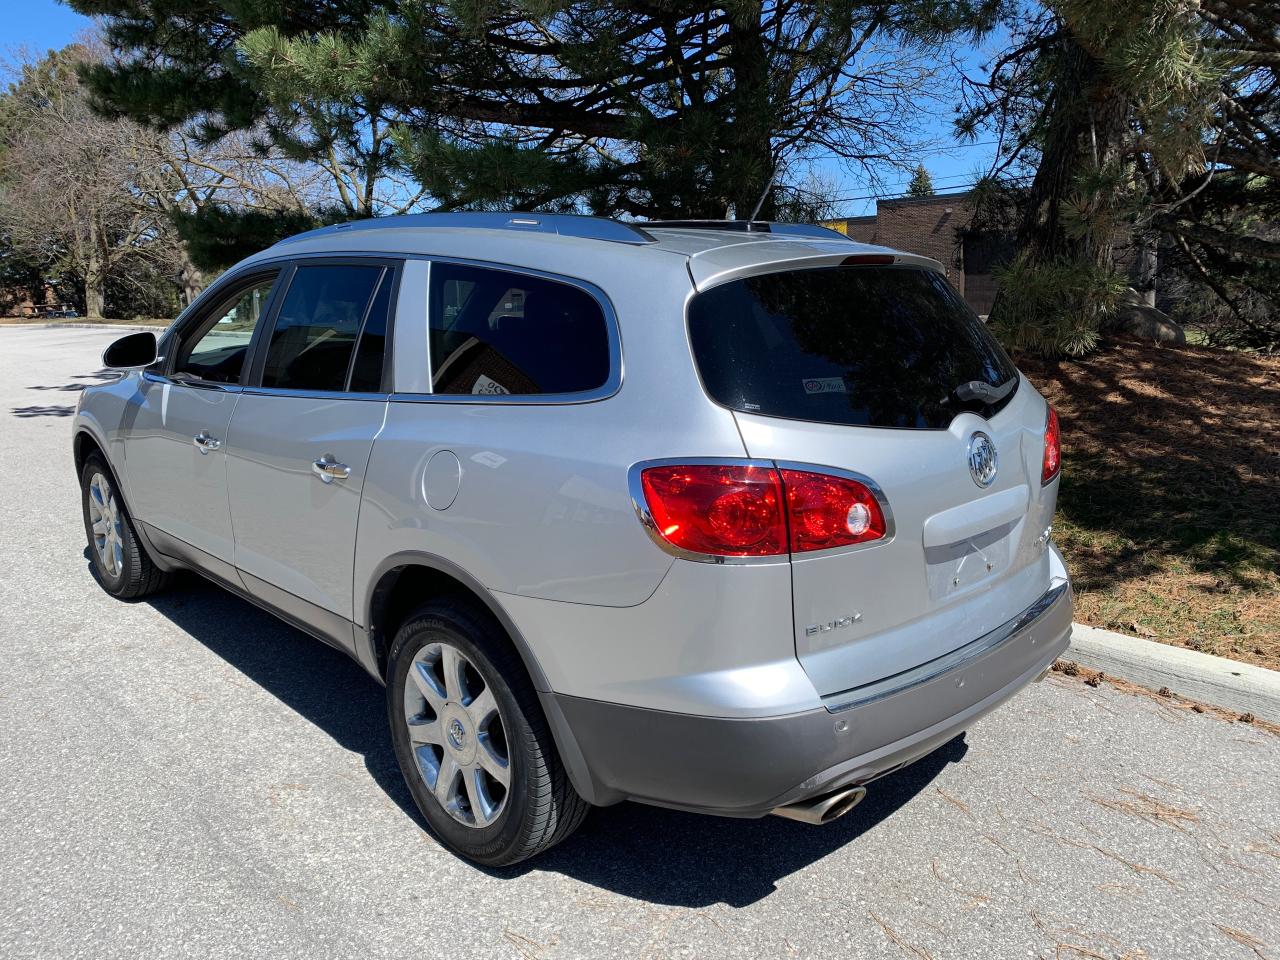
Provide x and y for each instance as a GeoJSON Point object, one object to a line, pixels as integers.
{"type": "Point", "coordinates": [404, 581]}
{"type": "Point", "coordinates": [84, 445]}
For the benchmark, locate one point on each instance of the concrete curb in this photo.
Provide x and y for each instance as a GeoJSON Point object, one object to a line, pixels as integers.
{"type": "Point", "coordinates": [1197, 676]}
{"type": "Point", "coordinates": [139, 327]}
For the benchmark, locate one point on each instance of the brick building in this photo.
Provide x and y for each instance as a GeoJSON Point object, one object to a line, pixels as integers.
{"type": "Point", "coordinates": [935, 227]}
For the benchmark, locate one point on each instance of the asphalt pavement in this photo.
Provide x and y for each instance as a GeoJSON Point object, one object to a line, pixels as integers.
{"type": "Point", "coordinates": [187, 776]}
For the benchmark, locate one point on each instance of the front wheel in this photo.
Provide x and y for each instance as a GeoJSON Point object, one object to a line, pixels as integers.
{"type": "Point", "coordinates": [122, 565]}
{"type": "Point", "coordinates": [472, 741]}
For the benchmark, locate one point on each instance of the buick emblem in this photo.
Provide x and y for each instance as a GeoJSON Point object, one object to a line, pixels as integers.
{"type": "Point", "coordinates": [456, 733]}
{"type": "Point", "coordinates": [982, 460]}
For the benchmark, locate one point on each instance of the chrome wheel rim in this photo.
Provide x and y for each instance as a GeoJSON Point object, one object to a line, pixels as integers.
{"type": "Point", "coordinates": [106, 522]}
{"type": "Point", "coordinates": [457, 735]}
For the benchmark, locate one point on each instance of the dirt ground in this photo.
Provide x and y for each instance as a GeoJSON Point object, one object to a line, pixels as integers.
{"type": "Point", "coordinates": [1169, 511]}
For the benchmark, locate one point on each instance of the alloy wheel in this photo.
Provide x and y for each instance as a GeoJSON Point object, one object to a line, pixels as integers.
{"type": "Point", "coordinates": [106, 522]}
{"type": "Point", "coordinates": [457, 735]}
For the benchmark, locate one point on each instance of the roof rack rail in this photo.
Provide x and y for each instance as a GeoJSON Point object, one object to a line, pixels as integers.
{"type": "Point", "coordinates": [752, 226]}
{"type": "Point", "coordinates": [562, 224]}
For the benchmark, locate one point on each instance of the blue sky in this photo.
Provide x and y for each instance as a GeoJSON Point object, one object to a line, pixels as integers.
{"type": "Point", "coordinates": [41, 25]}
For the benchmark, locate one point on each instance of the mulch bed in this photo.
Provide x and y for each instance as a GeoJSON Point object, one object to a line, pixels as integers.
{"type": "Point", "coordinates": [1169, 510]}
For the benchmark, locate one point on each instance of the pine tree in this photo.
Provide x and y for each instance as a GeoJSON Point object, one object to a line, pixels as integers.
{"type": "Point", "coordinates": [1141, 121]}
{"type": "Point", "coordinates": [921, 184]}
{"type": "Point", "coordinates": [610, 106]}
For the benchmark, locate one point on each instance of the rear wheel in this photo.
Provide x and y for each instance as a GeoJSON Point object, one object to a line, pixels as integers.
{"type": "Point", "coordinates": [471, 739]}
{"type": "Point", "coordinates": [122, 565]}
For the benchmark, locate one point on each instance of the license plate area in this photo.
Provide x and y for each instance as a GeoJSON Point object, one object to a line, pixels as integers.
{"type": "Point", "coordinates": [960, 567]}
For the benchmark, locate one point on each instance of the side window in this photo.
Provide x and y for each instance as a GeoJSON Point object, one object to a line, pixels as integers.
{"type": "Point", "coordinates": [496, 332]}
{"type": "Point", "coordinates": [317, 326]}
{"type": "Point", "coordinates": [217, 347]}
{"type": "Point", "coordinates": [366, 372]}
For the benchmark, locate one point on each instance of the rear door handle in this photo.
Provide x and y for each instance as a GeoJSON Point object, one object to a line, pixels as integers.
{"type": "Point", "coordinates": [204, 443]}
{"type": "Point", "coordinates": [329, 470]}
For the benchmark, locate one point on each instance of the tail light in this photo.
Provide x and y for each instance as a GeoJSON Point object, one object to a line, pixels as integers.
{"type": "Point", "coordinates": [1052, 464]}
{"type": "Point", "coordinates": [826, 511]}
{"type": "Point", "coordinates": [725, 510]}
{"type": "Point", "coordinates": [756, 510]}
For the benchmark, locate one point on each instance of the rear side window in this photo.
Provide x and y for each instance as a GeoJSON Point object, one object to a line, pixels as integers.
{"type": "Point", "coordinates": [858, 345]}
{"type": "Point", "coordinates": [315, 333]}
{"type": "Point", "coordinates": [494, 332]}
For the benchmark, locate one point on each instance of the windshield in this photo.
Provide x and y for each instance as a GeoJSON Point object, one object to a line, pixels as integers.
{"type": "Point", "coordinates": [858, 345]}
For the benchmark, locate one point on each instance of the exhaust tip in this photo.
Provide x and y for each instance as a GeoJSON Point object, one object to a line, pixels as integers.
{"type": "Point", "coordinates": [825, 807]}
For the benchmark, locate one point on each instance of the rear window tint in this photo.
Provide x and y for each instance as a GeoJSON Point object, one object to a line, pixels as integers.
{"type": "Point", "coordinates": [865, 346]}
{"type": "Point", "coordinates": [496, 332]}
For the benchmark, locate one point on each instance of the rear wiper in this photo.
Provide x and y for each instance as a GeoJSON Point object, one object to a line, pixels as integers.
{"type": "Point", "coordinates": [979, 391]}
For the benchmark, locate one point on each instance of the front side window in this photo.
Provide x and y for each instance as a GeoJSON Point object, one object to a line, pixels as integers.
{"type": "Point", "coordinates": [496, 333]}
{"type": "Point", "coordinates": [316, 329]}
{"type": "Point", "coordinates": [217, 347]}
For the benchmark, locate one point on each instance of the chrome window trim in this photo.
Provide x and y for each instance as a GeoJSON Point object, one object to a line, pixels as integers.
{"type": "Point", "coordinates": [955, 660]}
{"type": "Point", "coordinates": [282, 263]}
{"type": "Point", "coordinates": [641, 507]}
{"type": "Point", "coordinates": [612, 328]}
{"type": "Point", "coordinates": [612, 331]}
{"type": "Point", "coordinates": [381, 396]}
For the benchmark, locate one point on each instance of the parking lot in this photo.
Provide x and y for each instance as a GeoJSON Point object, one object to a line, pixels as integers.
{"type": "Point", "coordinates": [188, 776]}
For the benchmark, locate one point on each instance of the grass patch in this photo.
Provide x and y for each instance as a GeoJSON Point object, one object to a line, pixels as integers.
{"type": "Point", "coordinates": [1169, 510]}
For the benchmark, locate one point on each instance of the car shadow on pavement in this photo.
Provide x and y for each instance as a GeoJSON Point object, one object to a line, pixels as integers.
{"type": "Point", "coordinates": [647, 853]}
{"type": "Point", "coordinates": [322, 684]}
{"type": "Point", "coordinates": [687, 860]}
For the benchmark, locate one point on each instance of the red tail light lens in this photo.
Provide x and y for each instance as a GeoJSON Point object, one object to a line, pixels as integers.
{"type": "Point", "coordinates": [729, 510]}
{"type": "Point", "coordinates": [826, 511]}
{"type": "Point", "coordinates": [745, 510]}
{"type": "Point", "coordinates": [1052, 449]}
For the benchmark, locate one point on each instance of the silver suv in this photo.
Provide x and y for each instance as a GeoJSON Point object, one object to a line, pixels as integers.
{"type": "Point", "coordinates": [726, 517]}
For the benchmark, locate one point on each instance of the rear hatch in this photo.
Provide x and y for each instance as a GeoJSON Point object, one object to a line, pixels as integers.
{"type": "Point", "coordinates": [882, 370]}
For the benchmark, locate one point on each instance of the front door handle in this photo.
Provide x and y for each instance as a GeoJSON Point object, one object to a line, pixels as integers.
{"type": "Point", "coordinates": [204, 443]}
{"type": "Point", "coordinates": [329, 470]}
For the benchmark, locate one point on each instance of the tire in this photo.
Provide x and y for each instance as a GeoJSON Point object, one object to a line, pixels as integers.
{"type": "Point", "coordinates": [489, 715]}
{"type": "Point", "coordinates": [119, 559]}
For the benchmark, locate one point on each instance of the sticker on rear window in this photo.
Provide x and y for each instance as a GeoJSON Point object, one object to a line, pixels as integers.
{"type": "Point", "coordinates": [488, 385]}
{"type": "Point", "coordinates": [825, 385]}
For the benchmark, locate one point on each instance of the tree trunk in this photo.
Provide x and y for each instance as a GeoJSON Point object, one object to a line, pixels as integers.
{"type": "Point", "coordinates": [95, 283]}
{"type": "Point", "coordinates": [95, 273]}
{"type": "Point", "coordinates": [1086, 135]}
{"type": "Point", "coordinates": [1142, 275]}
{"type": "Point", "coordinates": [94, 295]}
{"type": "Point", "coordinates": [190, 278]}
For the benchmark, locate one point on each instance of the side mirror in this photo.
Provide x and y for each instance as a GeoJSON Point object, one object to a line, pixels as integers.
{"type": "Point", "coordinates": [135, 350]}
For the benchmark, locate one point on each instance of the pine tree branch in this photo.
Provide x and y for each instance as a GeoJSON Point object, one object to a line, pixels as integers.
{"type": "Point", "coordinates": [1247, 246]}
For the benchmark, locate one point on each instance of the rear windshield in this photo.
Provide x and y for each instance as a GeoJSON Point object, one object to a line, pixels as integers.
{"type": "Point", "coordinates": [859, 345]}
